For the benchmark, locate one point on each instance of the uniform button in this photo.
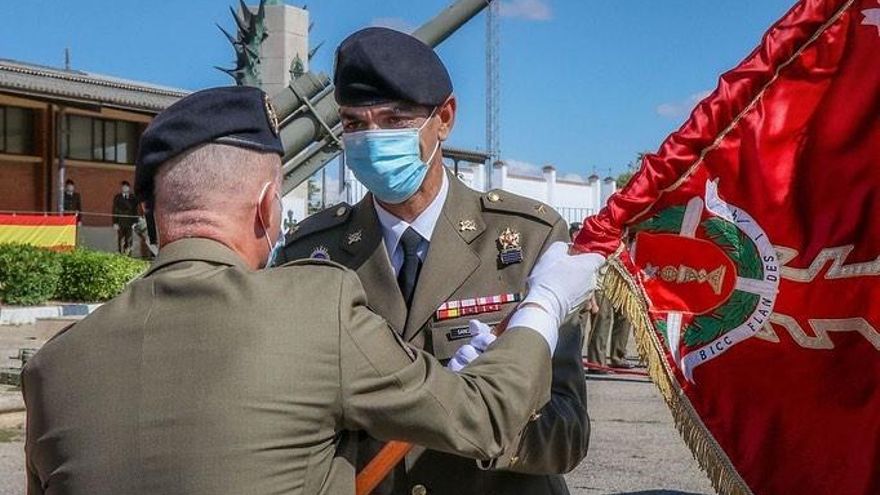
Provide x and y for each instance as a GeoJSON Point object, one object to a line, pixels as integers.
{"type": "Point", "coordinates": [419, 490]}
{"type": "Point", "coordinates": [513, 460]}
{"type": "Point", "coordinates": [494, 197]}
{"type": "Point", "coordinates": [340, 211]}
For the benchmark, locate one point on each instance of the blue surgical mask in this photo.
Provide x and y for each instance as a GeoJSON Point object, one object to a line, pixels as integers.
{"type": "Point", "coordinates": [276, 248]}
{"type": "Point", "coordinates": [388, 161]}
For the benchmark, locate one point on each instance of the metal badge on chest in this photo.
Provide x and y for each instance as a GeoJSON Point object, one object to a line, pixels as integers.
{"type": "Point", "coordinates": [510, 248]}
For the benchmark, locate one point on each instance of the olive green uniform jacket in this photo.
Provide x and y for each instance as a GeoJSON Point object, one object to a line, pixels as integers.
{"type": "Point", "coordinates": [205, 377]}
{"type": "Point", "coordinates": [463, 262]}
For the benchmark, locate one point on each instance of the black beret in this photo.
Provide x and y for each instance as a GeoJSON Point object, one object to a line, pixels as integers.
{"type": "Point", "coordinates": [236, 116]}
{"type": "Point", "coordinates": [378, 65]}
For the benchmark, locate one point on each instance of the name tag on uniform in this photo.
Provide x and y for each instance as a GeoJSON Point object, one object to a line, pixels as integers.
{"type": "Point", "coordinates": [474, 306]}
{"type": "Point", "coordinates": [458, 333]}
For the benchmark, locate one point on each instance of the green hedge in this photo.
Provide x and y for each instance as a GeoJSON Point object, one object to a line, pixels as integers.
{"type": "Point", "coordinates": [93, 276]}
{"type": "Point", "coordinates": [28, 275]}
{"type": "Point", "coordinates": [31, 276]}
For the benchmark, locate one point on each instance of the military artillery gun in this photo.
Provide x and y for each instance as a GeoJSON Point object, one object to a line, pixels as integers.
{"type": "Point", "coordinates": [308, 114]}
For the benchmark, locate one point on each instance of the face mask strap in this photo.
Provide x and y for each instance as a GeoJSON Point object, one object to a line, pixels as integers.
{"type": "Point", "coordinates": [437, 146]}
{"type": "Point", "coordinates": [260, 214]}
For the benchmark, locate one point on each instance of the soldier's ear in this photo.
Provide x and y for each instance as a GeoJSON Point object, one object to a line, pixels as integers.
{"type": "Point", "coordinates": [267, 209]}
{"type": "Point", "coordinates": [446, 112]}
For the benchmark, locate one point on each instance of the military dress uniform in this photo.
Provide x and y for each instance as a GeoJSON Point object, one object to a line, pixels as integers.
{"type": "Point", "coordinates": [125, 213]}
{"type": "Point", "coordinates": [608, 321]}
{"type": "Point", "coordinates": [204, 377]}
{"type": "Point", "coordinates": [464, 262]}
{"type": "Point", "coordinates": [208, 377]}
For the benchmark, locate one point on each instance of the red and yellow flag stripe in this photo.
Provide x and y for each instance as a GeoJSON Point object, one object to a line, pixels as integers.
{"type": "Point", "coordinates": [47, 231]}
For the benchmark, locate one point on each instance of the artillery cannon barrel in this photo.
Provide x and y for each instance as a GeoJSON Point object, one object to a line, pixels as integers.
{"type": "Point", "coordinates": [435, 31]}
{"type": "Point", "coordinates": [308, 113]}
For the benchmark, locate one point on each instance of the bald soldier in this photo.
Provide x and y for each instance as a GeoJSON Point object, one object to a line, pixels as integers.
{"type": "Point", "coordinates": [433, 254]}
{"type": "Point", "coordinates": [209, 376]}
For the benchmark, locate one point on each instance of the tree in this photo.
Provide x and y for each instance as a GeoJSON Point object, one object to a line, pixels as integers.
{"type": "Point", "coordinates": [631, 169]}
{"type": "Point", "coordinates": [314, 195]}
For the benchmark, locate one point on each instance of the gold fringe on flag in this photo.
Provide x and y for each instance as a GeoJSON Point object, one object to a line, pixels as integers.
{"type": "Point", "coordinates": [624, 294]}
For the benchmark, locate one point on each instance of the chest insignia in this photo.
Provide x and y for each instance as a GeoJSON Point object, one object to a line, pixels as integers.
{"type": "Point", "coordinates": [474, 306]}
{"type": "Point", "coordinates": [509, 247]}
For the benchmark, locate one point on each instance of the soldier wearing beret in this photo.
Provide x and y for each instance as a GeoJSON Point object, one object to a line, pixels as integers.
{"type": "Point", "coordinates": [433, 254]}
{"type": "Point", "coordinates": [210, 376]}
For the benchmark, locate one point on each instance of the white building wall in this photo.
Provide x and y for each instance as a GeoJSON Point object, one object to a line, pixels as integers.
{"type": "Point", "coordinates": [529, 187]}
{"type": "Point", "coordinates": [608, 187]}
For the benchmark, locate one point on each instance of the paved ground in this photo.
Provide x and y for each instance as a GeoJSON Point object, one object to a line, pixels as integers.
{"type": "Point", "coordinates": [634, 448]}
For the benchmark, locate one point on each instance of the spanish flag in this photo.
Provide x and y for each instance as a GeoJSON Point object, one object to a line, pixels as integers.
{"type": "Point", "coordinates": [47, 231]}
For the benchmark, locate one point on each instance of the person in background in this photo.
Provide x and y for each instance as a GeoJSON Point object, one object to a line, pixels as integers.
{"type": "Point", "coordinates": [590, 308]}
{"type": "Point", "coordinates": [607, 321]}
{"type": "Point", "coordinates": [72, 199]}
{"type": "Point", "coordinates": [125, 216]}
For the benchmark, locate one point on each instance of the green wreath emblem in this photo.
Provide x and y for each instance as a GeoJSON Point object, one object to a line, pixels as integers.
{"type": "Point", "coordinates": [744, 254]}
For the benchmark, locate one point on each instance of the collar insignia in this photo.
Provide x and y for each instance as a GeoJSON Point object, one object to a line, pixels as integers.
{"type": "Point", "coordinates": [355, 237]}
{"type": "Point", "coordinates": [467, 226]}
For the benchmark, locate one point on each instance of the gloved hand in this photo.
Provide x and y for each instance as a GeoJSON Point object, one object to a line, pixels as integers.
{"type": "Point", "coordinates": [482, 338]}
{"type": "Point", "coordinates": [560, 282]}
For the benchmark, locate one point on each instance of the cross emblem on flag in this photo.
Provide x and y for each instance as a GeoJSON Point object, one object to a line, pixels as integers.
{"type": "Point", "coordinates": [872, 18]}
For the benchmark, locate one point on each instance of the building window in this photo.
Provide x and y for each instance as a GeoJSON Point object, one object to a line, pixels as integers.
{"type": "Point", "coordinates": [16, 130]}
{"type": "Point", "coordinates": [101, 140]}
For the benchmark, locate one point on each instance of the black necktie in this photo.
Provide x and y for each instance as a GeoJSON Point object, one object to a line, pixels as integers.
{"type": "Point", "coordinates": [409, 272]}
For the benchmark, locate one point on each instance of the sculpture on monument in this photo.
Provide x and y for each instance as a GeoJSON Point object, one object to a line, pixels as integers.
{"type": "Point", "coordinates": [246, 43]}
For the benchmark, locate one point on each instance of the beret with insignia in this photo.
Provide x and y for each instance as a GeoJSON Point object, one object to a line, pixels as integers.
{"type": "Point", "coordinates": [236, 116]}
{"type": "Point", "coordinates": [379, 65]}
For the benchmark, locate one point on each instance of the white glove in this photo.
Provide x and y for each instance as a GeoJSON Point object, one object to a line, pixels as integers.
{"type": "Point", "coordinates": [561, 282]}
{"type": "Point", "coordinates": [115, 226]}
{"type": "Point", "coordinates": [482, 338]}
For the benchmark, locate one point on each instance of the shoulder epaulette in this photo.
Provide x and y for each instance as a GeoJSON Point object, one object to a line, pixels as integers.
{"type": "Point", "coordinates": [321, 221]}
{"type": "Point", "coordinates": [506, 202]}
{"type": "Point", "coordinates": [312, 262]}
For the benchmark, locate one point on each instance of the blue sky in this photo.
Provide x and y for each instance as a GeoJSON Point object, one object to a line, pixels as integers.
{"type": "Point", "coordinates": [586, 84]}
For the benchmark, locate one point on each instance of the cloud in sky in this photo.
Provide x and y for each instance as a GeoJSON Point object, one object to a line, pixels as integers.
{"type": "Point", "coordinates": [396, 23]}
{"type": "Point", "coordinates": [527, 169]}
{"type": "Point", "coordinates": [530, 10]}
{"type": "Point", "coordinates": [678, 109]}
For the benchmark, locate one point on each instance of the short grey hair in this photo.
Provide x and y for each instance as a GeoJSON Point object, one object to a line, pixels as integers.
{"type": "Point", "coordinates": [214, 176]}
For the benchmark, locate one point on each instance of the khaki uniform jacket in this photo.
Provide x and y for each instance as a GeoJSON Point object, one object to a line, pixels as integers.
{"type": "Point", "coordinates": [204, 377]}
{"type": "Point", "coordinates": [463, 262]}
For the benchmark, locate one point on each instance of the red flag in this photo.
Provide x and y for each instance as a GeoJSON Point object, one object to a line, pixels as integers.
{"type": "Point", "coordinates": [751, 267]}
